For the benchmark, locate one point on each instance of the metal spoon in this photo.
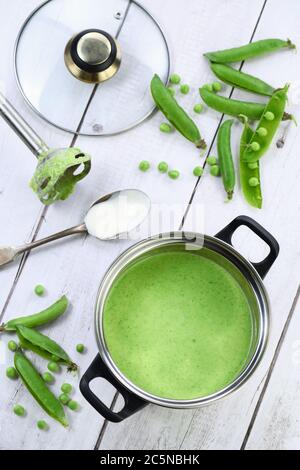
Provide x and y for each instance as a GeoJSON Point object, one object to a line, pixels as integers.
{"type": "Point", "coordinates": [9, 254]}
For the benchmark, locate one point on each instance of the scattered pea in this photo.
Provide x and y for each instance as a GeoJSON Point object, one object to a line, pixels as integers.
{"type": "Point", "coordinates": [255, 146]}
{"type": "Point", "coordinates": [217, 86]}
{"type": "Point", "coordinates": [253, 165]}
{"type": "Point", "coordinates": [198, 108]}
{"type": "Point", "coordinates": [163, 167]}
{"type": "Point", "coordinates": [12, 345]}
{"type": "Point", "coordinates": [144, 165]}
{"type": "Point", "coordinates": [198, 171]}
{"type": "Point", "coordinates": [174, 174]}
{"type": "Point", "coordinates": [19, 410]}
{"type": "Point", "coordinates": [53, 367]}
{"type": "Point", "coordinates": [11, 373]}
{"type": "Point", "coordinates": [66, 388]}
{"type": "Point", "coordinates": [42, 425]}
{"type": "Point", "coordinates": [253, 182]}
{"type": "Point", "coordinates": [80, 348]}
{"type": "Point", "coordinates": [165, 127]}
{"type": "Point", "coordinates": [175, 79]}
{"type": "Point", "coordinates": [171, 90]}
{"type": "Point", "coordinates": [215, 170]}
{"type": "Point", "coordinates": [208, 87]}
{"type": "Point", "coordinates": [73, 405]}
{"type": "Point", "coordinates": [269, 116]}
{"type": "Point", "coordinates": [184, 89]}
{"type": "Point", "coordinates": [64, 398]}
{"type": "Point", "coordinates": [39, 290]}
{"type": "Point", "coordinates": [48, 378]}
{"type": "Point", "coordinates": [211, 161]}
{"type": "Point", "coordinates": [262, 131]}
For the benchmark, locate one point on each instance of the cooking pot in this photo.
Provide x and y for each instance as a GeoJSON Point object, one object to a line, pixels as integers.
{"type": "Point", "coordinates": [218, 247]}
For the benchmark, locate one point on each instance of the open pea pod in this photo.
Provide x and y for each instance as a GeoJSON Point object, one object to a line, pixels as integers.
{"type": "Point", "coordinates": [269, 123]}
{"type": "Point", "coordinates": [43, 346]}
{"type": "Point", "coordinates": [38, 389]}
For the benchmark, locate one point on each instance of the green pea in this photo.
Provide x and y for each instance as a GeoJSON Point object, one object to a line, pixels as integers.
{"type": "Point", "coordinates": [208, 87]}
{"type": "Point", "coordinates": [73, 405]}
{"type": "Point", "coordinates": [53, 367]}
{"type": "Point", "coordinates": [80, 348]}
{"type": "Point", "coordinates": [253, 165]}
{"type": "Point", "coordinates": [39, 290]}
{"type": "Point", "coordinates": [217, 86]}
{"type": "Point", "coordinates": [66, 388]}
{"type": "Point", "coordinates": [48, 378]}
{"type": "Point", "coordinates": [211, 160]}
{"type": "Point", "coordinates": [12, 345]}
{"type": "Point", "coordinates": [253, 182]}
{"type": "Point", "coordinates": [171, 90]}
{"type": "Point", "coordinates": [163, 167]}
{"type": "Point", "coordinates": [262, 131]}
{"type": "Point", "coordinates": [255, 146]}
{"type": "Point", "coordinates": [175, 79]}
{"type": "Point", "coordinates": [174, 174]}
{"type": "Point", "coordinates": [198, 108]}
{"type": "Point", "coordinates": [19, 410]}
{"type": "Point", "coordinates": [42, 425]}
{"type": "Point", "coordinates": [184, 89]}
{"type": "Point", "coordinates": [165, 127]}
{"type": "Point", "coordinates": [198, 171]}
{"type": "Point", "coordinates": [269, 116]}
{"type": "Point", "coordinates": [11, 373]}
{"type": "Point", "coordinates": [215, 170]}
{"type": "Point", "coordinates": [144, 165]}
{"type": "Point", "coordinates": [64, 398]}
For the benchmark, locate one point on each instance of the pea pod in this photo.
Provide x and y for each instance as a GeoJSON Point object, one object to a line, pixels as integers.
{"type": "Point", "coordinates": [38, 388]}
{"type": "Point", "coordinates": [235, 108]}
{"type": "Point", "coordinates": [43, 345]}
{"type": "Point", "coordinates": [252, 194]}
{"type": "Point", "coordinates": [174, 113]}
{"type": "Point", "coordinates": [45, 316]}
{"type": "Point", "coordinates": [253, 49]}
{"type": "Point", "coordinates": [269, 121]}
{"type": "Point", "coordinates": [241, 80]}
{"type": "Point", "coordinates": [225, 157]}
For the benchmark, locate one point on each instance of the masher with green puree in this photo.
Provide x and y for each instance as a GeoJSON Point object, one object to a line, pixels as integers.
{"type": "Point", "coordinates": [181, 320]}
{"type": "Point", "coordinates": [58, 170]}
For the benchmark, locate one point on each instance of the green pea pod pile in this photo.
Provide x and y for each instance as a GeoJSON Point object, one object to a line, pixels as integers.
{"type": "Point", "coordinates": [45, 316]}
{"type": "Point", "coordinates": [38, 388]}
{"type": "Point", "coordinates": [275, 108]}
{"type": "Point", "coordinates": [43, 346]}
{"type": "Point", "coordinates": [225, 157]}
{"type": "Point", "coordinates": [254, 49]}
{"type": "Point", "coordinates": [241, 80]}
{"type": "Point", "coordinates": [252, 194]}
{"type": "Point", "coordinates": [174, 113]}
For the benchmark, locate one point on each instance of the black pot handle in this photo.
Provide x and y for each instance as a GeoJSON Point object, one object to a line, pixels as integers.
{"type": "Point", "coordinates": [132, 402]}
{"type": "Point", "coordinates": [263, 266]}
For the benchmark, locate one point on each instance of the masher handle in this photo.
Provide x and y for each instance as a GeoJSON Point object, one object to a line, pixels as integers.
{"type": "Point", "coordinates": [21, 128]}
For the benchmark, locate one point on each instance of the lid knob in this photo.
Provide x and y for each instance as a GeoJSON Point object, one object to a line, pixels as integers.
{"type": "Point", "coordinates": [93, 56]}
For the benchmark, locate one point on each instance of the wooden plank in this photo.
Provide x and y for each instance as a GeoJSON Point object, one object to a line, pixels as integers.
{"type": "Point", "coordinates": [276, 420]}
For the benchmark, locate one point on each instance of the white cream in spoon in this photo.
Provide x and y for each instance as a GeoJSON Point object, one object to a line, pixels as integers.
{"type": "Point", "coordinates": [121, 213]}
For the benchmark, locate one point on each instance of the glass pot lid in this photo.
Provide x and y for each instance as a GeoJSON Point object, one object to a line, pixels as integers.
{"type": "Point", "coordinates": [91, 59]}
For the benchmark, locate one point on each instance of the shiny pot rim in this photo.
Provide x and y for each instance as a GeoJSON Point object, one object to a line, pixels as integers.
{"type": "Point", "coordinates": [165, 239]}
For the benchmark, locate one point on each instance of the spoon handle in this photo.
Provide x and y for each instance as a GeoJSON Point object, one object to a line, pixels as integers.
{"type": "Point", "coordinates": [9, 254]}
{"type": "Point", "coordinates": [51, 238]}
{"type": "Point", "coordinates": [21, 128]}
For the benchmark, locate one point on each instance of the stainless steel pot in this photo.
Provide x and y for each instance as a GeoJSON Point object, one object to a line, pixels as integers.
{"type": "Point", "coordinates": [219, 248]}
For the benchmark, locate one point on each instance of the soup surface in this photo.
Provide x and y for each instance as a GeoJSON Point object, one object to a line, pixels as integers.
{"type": "Point", "coordinates": [178, 325]}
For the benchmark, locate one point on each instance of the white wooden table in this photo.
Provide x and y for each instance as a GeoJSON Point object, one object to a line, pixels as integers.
{"type": "Point", "coordinates": [264, 414]}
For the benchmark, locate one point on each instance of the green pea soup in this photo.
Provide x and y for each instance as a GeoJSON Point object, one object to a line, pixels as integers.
{"type": "Point", "coordinates": [178, 324]}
